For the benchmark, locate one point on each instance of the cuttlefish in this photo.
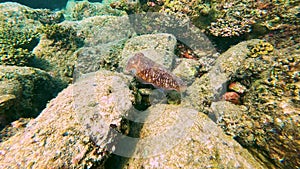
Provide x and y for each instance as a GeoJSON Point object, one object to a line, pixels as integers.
{"type": "Point", "coordinates": [149, 72]}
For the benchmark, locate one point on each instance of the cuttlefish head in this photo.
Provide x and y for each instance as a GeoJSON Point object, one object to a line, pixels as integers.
{"type": "Point", "coordinates": [133, 64]}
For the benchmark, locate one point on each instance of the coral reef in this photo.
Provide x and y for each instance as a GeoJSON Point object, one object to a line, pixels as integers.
{"type": "Point", "coordinates": [16, 44]}
{"type": "Point", "coordinates": [55, 51]}
{"type": "Point", "coordinates": [262, 48]}
{"type": "Point", "coordinates": [78, 10]}
{"type": "Point", "coordinates": [224, 18]}
{"type": "Point", "coordinates": [44, 16]}
{"type": "Point", "coordinates": [63, 37]}
{"type": "Point", "coordinates": [251, 91]}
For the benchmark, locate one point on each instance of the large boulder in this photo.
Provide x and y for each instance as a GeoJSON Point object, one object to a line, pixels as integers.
{"type": "Point", "coordinates": [59, 136]}
{"type": "Point", "coordinates": [268, 100]}
{"type": "Point", "coordinates": [181, 137]}
{"type": "Point", "coordinates": [24, 92]}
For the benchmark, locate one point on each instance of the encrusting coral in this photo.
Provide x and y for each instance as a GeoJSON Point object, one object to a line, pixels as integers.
{"type": "Point", "coordinates": [16, 45]}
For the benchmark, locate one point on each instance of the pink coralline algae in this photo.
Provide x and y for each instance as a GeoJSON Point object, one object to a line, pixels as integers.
{"type": "Point", "coordinates": [149, 72]}
{"type": "Point", "coordinates": [232, 97]}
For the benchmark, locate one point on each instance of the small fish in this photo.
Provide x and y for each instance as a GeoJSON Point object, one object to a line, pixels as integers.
{"type": "Point", "coordinates": [147, 71]}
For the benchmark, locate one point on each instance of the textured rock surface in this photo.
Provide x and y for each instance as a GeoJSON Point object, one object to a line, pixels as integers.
{"type": "Point", "coordinates": [227, 65]}
{"type": "Point", "coordinates": [15, 10]}
{"type": "Point", "coordinates": [212, 85]}
{"type": "Point", "coordinates": [269, 109]}
{"type": "Point", "coordinates": [187, 70]}
{"type": "Point", "coordinates": [57, 137]}
{"type": "Point", "coordinates": [103, 29]}
{"type": "Point", "coordinates": [105, 56]}
{"type": "Point", "coordinates": [178, 137]}
{"type": "Point", "coordinates": [100, 100]}
{"type": "Point", "coordinates": [105, 37]}
{"type": "Point", "coordinates": [78, 10]}
{"type": "Point", "coordinates": [24, 92]}
{"type": "Point", "coordinates": [158, 47]}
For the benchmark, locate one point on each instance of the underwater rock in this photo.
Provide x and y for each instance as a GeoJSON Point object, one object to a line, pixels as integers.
{"type": "Point", "coordinates": [17, 34]}
{"type": "Point", "coordinates": [181, 137]}
{"type": "Point", "coordinates": [105, 37]}
{"type": "Point", "coordinates": [227, 65]}
{"type": "Point", "coordinates": [273, 109]}
{"type": "Point", "coordinates": [11, 11]}
{"type": "Point", "coordinates": [91, 59]}
{"type": "Point", "coordinates": [212, 85]}
{"type": "Point", "coordinates": [259, 99]}
{"type": "Point", "coordinates": [78, 10]}
{"type": "Point", "coordinates": [269, 109]}
{"type": "Point", "coordinates": [56, 50]}
{"type": "Point", "coordinates": [100, 30]}
{"type": "Point", "coordinates": [58, 137]}
{"type": "Point", "coordinates": [158, 47]}
{"type": "Point", "coordinates": [228, 116]}
{"type": "Point", "coordinates": [187, 70]}
{"type": "Point", "coordinates": [29, 90]}
{"type": "Point", "coordinates": [100, 100]}
{"type": "Point", "coordinates": [14, 127]}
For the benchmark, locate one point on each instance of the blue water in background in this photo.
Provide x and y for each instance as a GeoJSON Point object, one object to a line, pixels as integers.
{"type": "Point", "coordinates": [48, 4]}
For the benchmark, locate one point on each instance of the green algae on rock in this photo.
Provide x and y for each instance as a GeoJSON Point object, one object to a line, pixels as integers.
{"type": "Point", "coordinates": [31, 88]}
{"type": "Point", "coordinates": [269, 108]}
{"type": "Point", "coordinates": [262, 48]}
{"type": "Point", "coordinates": [18, 35]}
{"type": "Point", "coordinates": [16, 44]}
{"type": "Point", "coordinates": [78, 10]}
{"type": "Point", "coordinates": [54, 53]}
{"type": "Point", "coordinates": [45, 16]}
{"type": "Point", "coordinates": [273, 102]}
{"type": "Point", "coordinates": [65, 37]}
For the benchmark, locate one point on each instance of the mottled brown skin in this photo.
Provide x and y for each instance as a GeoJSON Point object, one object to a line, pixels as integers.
{"type": "Point", "coordinates": [147, 71]}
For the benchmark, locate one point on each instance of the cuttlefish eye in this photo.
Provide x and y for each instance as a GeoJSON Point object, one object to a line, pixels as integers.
{"type": "Point", "coordinates": [132, 71]}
